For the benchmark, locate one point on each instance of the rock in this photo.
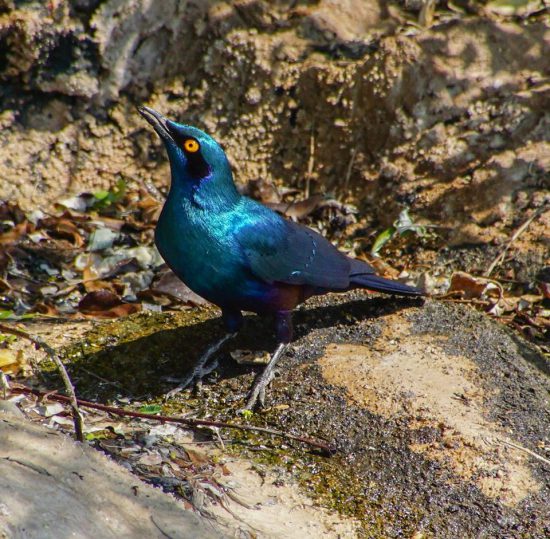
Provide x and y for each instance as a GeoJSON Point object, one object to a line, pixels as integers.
{"type": "Point", "coordinates": [75, 491]}
{"type": "Point", "coordinates": [10, 408]}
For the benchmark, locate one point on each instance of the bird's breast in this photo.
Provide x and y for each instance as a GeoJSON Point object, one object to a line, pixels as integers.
{"type": "Point", "coordinates": [202, 251]}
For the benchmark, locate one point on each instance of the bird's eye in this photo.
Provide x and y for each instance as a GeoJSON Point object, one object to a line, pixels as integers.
{"type": "Point", "coordinates": [191, 145]}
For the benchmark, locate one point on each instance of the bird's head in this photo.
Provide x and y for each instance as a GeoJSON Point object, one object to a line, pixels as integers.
{"type": "Point", "coordinates": [197, 161]}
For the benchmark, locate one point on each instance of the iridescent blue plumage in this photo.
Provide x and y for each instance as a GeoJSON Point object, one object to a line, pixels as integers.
{"type": "Point", "coordinates": [237, 253]}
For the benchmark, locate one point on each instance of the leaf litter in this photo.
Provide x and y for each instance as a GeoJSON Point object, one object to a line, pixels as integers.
{"type": "Point", "coordinates": [93, 258]}
{"type": "Point", "coordinates": [164, 455]}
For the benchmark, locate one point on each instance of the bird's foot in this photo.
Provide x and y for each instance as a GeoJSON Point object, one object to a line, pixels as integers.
{"type": "Point", "coordinates": [257, 393]}
{"type": "Point", "coordinates": [203, 367]}
{"type": "Point", "coordinates": [256, 396]}
{"type": "Point", "coordinates": [193, 379]}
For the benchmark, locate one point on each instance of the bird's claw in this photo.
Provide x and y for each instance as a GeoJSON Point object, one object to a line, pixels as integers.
{"type": "Point", "coordinates": [257, 393]}
{"type": "Point", "coordinates": [194, 378]}
{"type": "Point", "coordinates": [203, 367]}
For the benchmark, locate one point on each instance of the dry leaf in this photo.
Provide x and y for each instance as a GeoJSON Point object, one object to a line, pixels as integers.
{"type": "Point", "coordinates": [99, 301]}
{"type": "Point", "coordinates": [50, 409]}
{"type": "Point", "coordinates": [45, 309]}
{"type": "Point", "coordinates": [168, 283]}
{"type": "Point", "coordinates": [150, 209]}
{"type": "Point", "coordinates": [12, 362]}
{"type": "Point", "coordinates": [150, 459]}
{"type": "Point", "coordinates": [472, 287]}
{"type": "Point", "coordinates": [381, 267]}
{"type": "Point", "coordinates": [545, 289]}
{"type": "Point", "coordinates": [16, 233]}
{"type": "Point", "coordinates": [62, 229]}
{"type": "Point", "coordinates": [105, 304]}
{"type": "Point", "coordinates": [196, 458]}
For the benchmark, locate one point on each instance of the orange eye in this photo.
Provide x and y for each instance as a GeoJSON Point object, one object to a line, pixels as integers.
{"type": "Point", "coordinates": [191, 145]}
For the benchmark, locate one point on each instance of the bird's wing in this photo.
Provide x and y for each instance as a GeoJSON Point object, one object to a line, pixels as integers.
{"type": "Point", "coordinates": [282, 251]}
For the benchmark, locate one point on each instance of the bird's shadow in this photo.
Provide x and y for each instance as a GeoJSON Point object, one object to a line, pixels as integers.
{"type": "Point", "coordinates": [138, 366]}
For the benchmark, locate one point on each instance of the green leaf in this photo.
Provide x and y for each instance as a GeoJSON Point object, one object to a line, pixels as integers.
{"type": "Point", "coordinates": [382, 239]}
{"type": "Point", "coordinates": [514, 7]}
{"type": "Point", "coordinates": [103, 199]}
{"type": "Point", "coordinates": [7, 339]}
{"type": "Point", "coordinates": [150, 409]}
{"type": "Point", "coordinates": [10, 315]}
{"type": "Point", "coordinates": [99, 435]}
{"type": "Point", "coordinates": [247, 414]}
{"type": "Point", "coordinates": [403, 226]}
{"type": "Point", "coordinates": [101, 195]}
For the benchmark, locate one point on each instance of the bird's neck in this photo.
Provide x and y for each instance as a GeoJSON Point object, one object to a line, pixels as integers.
{"type": "Point", "coordinates": [213, 193]}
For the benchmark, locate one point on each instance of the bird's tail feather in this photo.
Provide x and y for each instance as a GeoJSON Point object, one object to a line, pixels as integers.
{"type": "Point", "coordinates": [379, 284]}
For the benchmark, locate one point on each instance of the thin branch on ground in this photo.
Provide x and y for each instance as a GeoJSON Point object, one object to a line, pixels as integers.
{"type": "Point", "coordinates": [310, 163]}
{"type": "Point", "coordinates": [474, 301]}
{"type": "Point", "coordinates": [324, 447]}
{"type": "Point", "coordinates": [349, 169]}
{"type": "Point", "coordinates": [71, 399]}
{"type": "Point", "coordinates": [500, 257]}
{"type": "Point", "coordinates": [524, 449]}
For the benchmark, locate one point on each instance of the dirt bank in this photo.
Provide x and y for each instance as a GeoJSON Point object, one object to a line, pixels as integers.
{"type": "Point", "coordinates": [449, 119]}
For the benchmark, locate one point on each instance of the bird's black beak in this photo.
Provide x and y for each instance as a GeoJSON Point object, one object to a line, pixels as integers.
{"type": "Point", "coordinates": [158, 121]}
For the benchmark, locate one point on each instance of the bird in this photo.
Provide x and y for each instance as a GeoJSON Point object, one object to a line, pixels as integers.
{"type": "Point", "coordinates": [239, 254]}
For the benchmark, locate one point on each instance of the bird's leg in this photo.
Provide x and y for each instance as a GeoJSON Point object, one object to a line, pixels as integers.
{"type": "Point", "coordinates": [201, 369]}
{"type": "Point", "coordinates": [257, 393]}
{"type": "Point", "coordinates": [284, 336]}
{"type": "Point", "coordinates": [233, 322]}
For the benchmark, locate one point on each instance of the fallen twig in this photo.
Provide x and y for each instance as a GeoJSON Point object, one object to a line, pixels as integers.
{"type": "Point", "coordinates": [349, 169]}
{"type": "Point", "coordinates": [500, 257]}
{"type": "Point", "coordinates": [4, 384]}
{"type": "Point", "coordinates": [521, 448]}
{"type": "Point", "coordinates": [474, 301]}
{"type": "Point", "coordinates": [72, 400]}
{"type": "Point", "coordinates": [310, 163]}
{"type": "Point", "coordinates": [324, 447]}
